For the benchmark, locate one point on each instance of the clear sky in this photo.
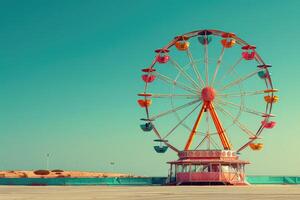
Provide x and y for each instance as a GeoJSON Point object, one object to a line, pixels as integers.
{"type": "Point", "coordinates": [70, 72]}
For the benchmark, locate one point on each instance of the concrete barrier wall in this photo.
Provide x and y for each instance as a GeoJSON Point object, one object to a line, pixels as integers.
{"type": "Point", "coordinates": [133, 181]}
{"type": "Point", "coordinates": [273, 179]}
{"type": "Point", "coordinates": [78, 181]}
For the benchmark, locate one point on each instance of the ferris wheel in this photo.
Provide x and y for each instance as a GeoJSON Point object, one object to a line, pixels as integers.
{"type": "Point", "coordinates": [207, 89]}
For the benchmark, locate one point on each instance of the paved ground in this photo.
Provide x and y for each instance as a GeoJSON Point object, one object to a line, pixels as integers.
{"type": "Point", "coordinates": [276, 192]}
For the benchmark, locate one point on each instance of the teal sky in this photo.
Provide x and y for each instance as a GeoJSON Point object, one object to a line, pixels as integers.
{"type": "Point", "coordinates": [70, 72]}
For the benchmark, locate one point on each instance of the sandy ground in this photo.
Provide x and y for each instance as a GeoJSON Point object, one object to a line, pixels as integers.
{"type": "Point", "coordinates": [271, 192]}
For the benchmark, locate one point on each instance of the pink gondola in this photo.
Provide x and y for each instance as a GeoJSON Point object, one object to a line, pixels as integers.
{"type": "Point", "coordinates": [162, 58]}
{"type": "Point", "coordinates": [268, 124]}
{"type": "Point", "coordinates": [249, 52]}
{"type": "Point", "coordinates": [148, 78]}
{"type": "Point", "coordinates": [248, 56]}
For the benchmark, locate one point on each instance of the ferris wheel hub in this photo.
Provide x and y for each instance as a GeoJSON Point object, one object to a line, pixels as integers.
{"type": "Point", "coordinates": [208, 94]}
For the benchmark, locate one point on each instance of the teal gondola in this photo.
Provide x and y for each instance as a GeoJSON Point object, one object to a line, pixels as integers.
{"type": "Point", "coordinates": [161, 148]}
{"type": "Point", "coordinates": [204, 39]}
{"type": "Point", "coordinates": [263, 74]}
{"type": "Point", "coordinates": [146, 127]}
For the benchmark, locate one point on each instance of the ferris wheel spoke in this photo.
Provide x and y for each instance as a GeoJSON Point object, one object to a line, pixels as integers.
{"type": "Point", "coordinates": [214, 143]}
{"type": "Point", "coordinates": [207, 123]}
{"type": "Point", "coordinates": [174, 110]}
{"type": "Point", "coordinates": [238, 81]}
{"type": "Point", "coordinates": [184, 73]}
{"type": "Point", "coordinates": [236, 121]}
{"type": "Point", "coordinates": [174, 82]}
{"type": "Point", "coordinates": [218, 66]}
{"type": "Point", "coordinates": [206, 63]}
{"type": "Point", "coordinates": [181, 121]}
{"type": "Point", "coordinates": [184, 96]}
{"type": "Point", "coordinates": [240, 107]}
{"type": "Point", "coordinates": [195, 69]}
{"type": "Point", "coordinates": [230, 70]}
{"type": "Point", "coordinates": [208, 137]}
{"type": "Point", "coordinates": [208, 129]}
{"type": "Point", "coordinates": [201, 142]}
{"type": "Point", "coordinates": [240, 94]}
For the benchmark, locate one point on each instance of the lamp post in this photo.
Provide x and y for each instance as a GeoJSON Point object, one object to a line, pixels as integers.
{"type": "Point", "coordinates": [112, 165]}
{"type": "Point", "coordinates": [47, 160]}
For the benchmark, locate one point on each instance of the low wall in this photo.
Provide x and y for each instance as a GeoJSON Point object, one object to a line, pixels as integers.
{"type": "Point", "coordinates": [77, 181]}
{"type": "Point", "coordinates": [133, 181]}
{"type": "Point", "coordinates": [273, 179]}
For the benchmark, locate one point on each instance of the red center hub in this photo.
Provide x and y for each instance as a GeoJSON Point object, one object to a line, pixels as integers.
{"type": "Point", "coordinates": [208, 94]}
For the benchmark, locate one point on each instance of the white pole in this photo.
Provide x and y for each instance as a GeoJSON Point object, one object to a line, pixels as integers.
{"type": "Point", "coordinates": [47, 161]}
{"type": "Point", "coordinates": [112, 166]}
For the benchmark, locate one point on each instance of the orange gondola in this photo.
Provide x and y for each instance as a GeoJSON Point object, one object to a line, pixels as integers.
{"type": "Point", "coordinates": [228, 43]}
{"type": "Point", "coordinates": [144, 103]}
{"type": "Point", "coordinates": [271, 99]}
{"type": "Point", "coordinates": [182, 45]}
{"type": "Point", "coordinates": [256, 146]}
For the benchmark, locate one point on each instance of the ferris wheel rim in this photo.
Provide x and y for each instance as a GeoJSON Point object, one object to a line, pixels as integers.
{"type": "Point", "coordinates": [268, 81]}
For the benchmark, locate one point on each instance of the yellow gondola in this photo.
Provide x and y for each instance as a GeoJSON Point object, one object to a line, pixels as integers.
{"type": "Point", "coordinates": [256, 146]}
{"type": "Point", "coordinates": [228, 43]}
{"type": "Point", "coordinates": [182, 45]}
{"type": "Point", "coordinates": [271, 99]}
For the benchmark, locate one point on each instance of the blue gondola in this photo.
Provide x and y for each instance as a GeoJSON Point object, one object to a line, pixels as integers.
{"type": "Point", "coordinates": [204, 39]}
{"type": "Point", "coordinates": [161, 148]}
{"type": "Point", "coordinates": [146, 127]}
{"type": "Point", "coordinates": [263, 74]}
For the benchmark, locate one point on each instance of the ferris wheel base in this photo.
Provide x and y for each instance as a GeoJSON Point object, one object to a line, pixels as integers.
{"type": "Point", "coordinates": [203, 183]}
{"type": "Point", "coordinates": [207, 167]}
